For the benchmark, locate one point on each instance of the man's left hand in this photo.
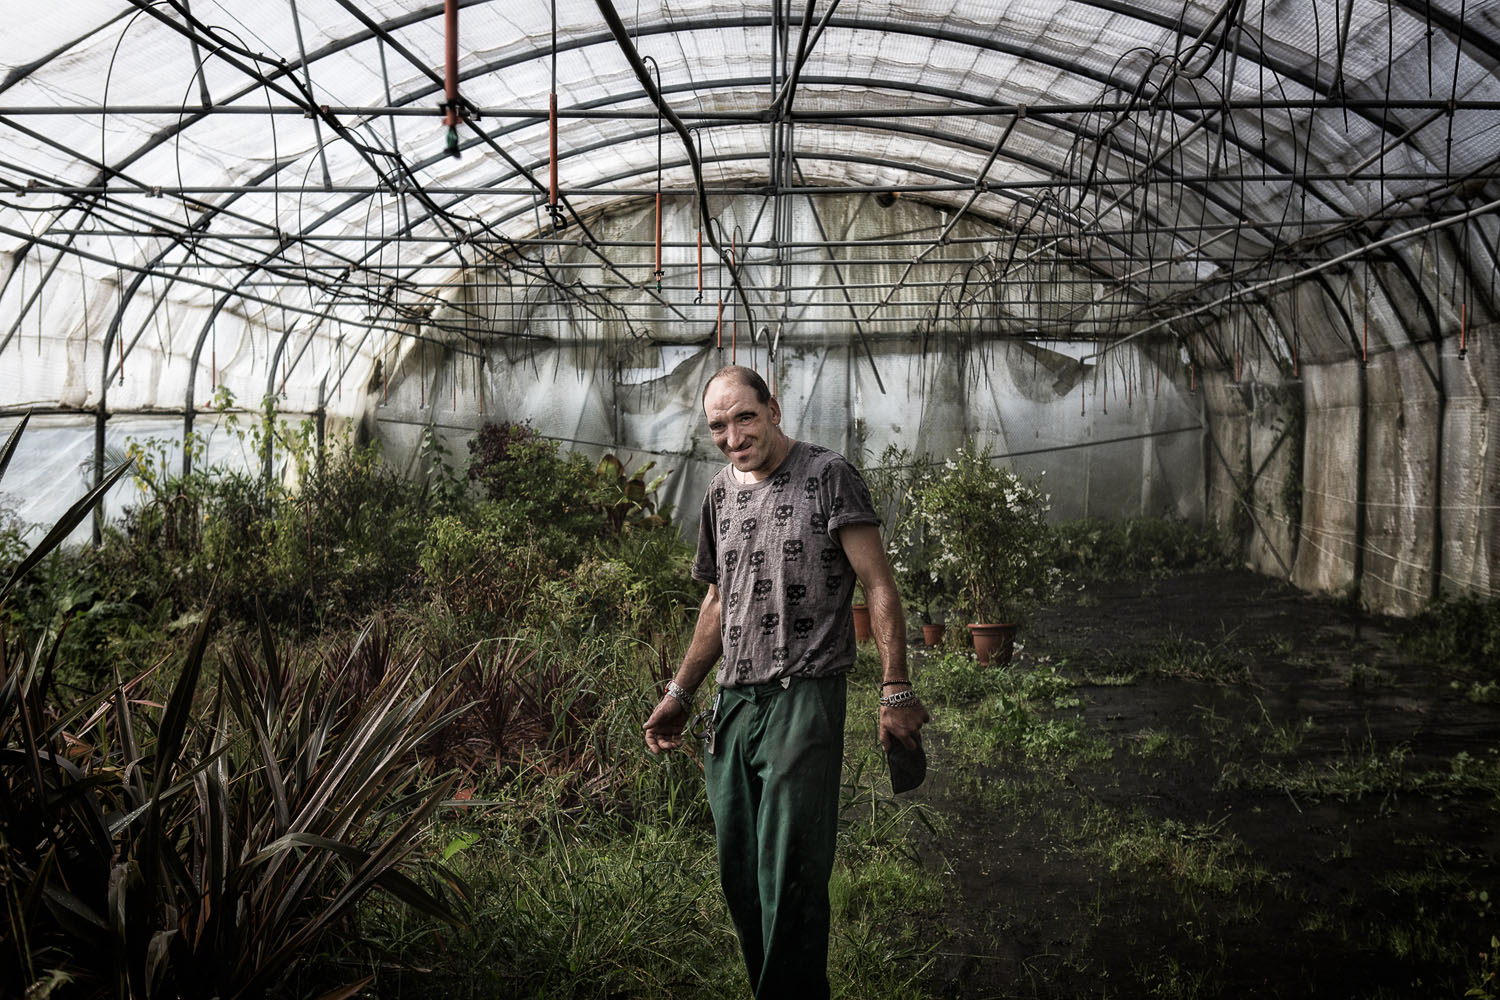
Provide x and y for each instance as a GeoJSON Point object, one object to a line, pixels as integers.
{"type": "Point", "coordinates": [899, 726]}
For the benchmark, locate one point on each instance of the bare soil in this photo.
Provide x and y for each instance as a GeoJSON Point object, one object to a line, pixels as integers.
{"type": "Point", "coordinates": [1363, 874]}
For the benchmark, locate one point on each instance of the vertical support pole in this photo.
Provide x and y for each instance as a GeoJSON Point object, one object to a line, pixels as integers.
{"type": "Point", "coordinates": [101, 417]}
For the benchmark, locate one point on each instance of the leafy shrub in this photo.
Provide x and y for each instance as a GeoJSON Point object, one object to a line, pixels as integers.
{"type": "Point", "coordinates": [1464, 630]}
{"type": "Point", "coordinates": [12, 540]}
{"type": "Point", "coordinates": [992, 537]}
{"type": "Point", "coordinates": [155, 845]}
{"type": "Point", "coordinates": [1141, 546]}
{"type": "Point", "coordinates": [927, 585]}
{"type": "Point", "coordinates": [175, 853]}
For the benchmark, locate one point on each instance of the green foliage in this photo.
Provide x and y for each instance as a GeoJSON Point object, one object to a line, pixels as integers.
{"type": "Point", "coordinates": [1024, 712]}
{"type": "Point", "coordinates": [328, 552]}
{"type": "Point", "coordinates": [1463, 631]}
{"type": "Point", "coordinates": [992, 536]}
{"type": "Point", "coordinates": [591, 862]}
{"type": "Point", "coordinates": [897, 483]}
{"type": "Point", "coordinates": [570, 912]}
{"type": "Point", "coordinates": [1180, 657]}
{"type": "Point", "coordinates": [1486, 979]}
{"type": "Point", "coordinates": [155, 845]}
{"type": "Point", "coordinates": [184, 851]}
{"type": "Point", "coordinates": [627, 500]}
{"type": "Point", "coordinates": [537, 492]}
{"type": "Point", "coordinates": [12, 540]}
{"type": "Point", "coordinates": [1141, 546]}
{"type": "Point", "coordinates": [558, 544]}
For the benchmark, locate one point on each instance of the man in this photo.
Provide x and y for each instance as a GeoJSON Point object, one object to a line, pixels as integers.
{"type": "Point", "coordinates": [786, 528]}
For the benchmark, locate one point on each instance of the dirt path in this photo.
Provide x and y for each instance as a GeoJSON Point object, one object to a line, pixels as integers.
{"type": "Point", "coordinates": [1315, 817]}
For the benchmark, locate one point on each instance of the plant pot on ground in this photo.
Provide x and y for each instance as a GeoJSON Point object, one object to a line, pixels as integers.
{"type": "Point", "coordinates": [861, 622]}
{"type": "Point", "coordinates": [932, 633]}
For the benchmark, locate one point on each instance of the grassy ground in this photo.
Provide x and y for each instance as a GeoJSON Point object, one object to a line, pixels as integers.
{"type": "Point", "coordinates": [1210, 785]}
{"type": "Point", "coordinates": [582, 901]}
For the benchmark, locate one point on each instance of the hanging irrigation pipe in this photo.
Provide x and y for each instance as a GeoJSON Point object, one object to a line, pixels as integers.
{"type": "Point", "coordinates": [212, 286]}
{"type": "Point", "coordinates": [435, 211]}
{"type": "Point", "coordinates": [838, 273]}
{"type": "Point", "coordinates": [734, 317]}
{"type": "Point", "coordinates": [627, 47]}
{"type": "Point", "coordinates": [451, 107]}
{"type": "Point", "coordinates": [228, 52]}
{"type": "Point", "coordinates": [374, 28]}
{"type": "Point", "coordinates": [698, 213]}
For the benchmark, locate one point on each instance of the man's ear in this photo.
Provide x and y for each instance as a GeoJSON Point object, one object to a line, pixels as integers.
{"type": "Point", "coordinates": [775, 412]}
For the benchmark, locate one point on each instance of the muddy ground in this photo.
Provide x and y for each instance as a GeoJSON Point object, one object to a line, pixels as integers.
{"type": "Point", "coordinates": [1315, 815]}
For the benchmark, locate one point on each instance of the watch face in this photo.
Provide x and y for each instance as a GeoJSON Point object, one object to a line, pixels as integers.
{"type": "Point", "coordinates": [908, 767]}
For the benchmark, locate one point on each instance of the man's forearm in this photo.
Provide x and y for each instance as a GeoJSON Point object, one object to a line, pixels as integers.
{"type": "Point", "coordinates": [888, 625]}
{"type": "Point", "coordinates": [706, 645]}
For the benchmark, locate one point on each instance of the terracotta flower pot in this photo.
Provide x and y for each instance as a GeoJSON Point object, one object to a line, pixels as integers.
{"type": "Point", "coordinates": [933, 634]}
{"type": "Point", "coordinates": [993, 643]}
{"type": "Point", "coordinates": [861, 623]}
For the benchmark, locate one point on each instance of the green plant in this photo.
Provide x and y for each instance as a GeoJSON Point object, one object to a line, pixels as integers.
{"type": "Point", "coordinates": [1484, 693]}
{"type": "Point", "coordinates": [152, 845]}
{"type": "Point", "coordinates": [205, 853]}
{"type": "Point", "coordinates": [1139, 546]}
{"type": "Point", "coordinates": [895, 485]}
{"type": "Point", "coordinates": [1153, 742]}
{"type": "Point", "coordinates": [627, 500]}
{"type": "Point", "coordinates": [1463, 631]}
{"type": "Point", "coordinates": [1486, 978]}
{"type": "Point", "coordinates": [992, 536]}
{"type": "Point", "coordinates": [1182, 657]}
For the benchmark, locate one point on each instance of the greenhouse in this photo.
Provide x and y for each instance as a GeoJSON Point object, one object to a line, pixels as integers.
{"type": "Point", "coordinates": [358, 430]}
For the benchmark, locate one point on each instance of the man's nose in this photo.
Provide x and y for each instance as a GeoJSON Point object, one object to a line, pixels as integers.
{"type": "Point", "coordinates": [733, 437]}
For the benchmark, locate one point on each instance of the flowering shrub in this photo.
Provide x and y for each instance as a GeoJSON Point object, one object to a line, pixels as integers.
{"type": "Point", "coordinates": [991, 536]}
{"type": "Point", "coordinates": [913, 548]}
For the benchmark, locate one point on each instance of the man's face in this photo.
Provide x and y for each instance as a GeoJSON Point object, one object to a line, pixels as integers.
{"type": "Point", "coordinates": [745, 429]}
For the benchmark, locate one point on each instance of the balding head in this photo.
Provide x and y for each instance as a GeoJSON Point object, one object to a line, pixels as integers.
{"type": "Point", "coordinates": [740, 375]}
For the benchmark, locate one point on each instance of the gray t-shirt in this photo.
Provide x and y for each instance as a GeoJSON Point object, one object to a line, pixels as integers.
{"type": "Point", "coordinates": [784, 581]}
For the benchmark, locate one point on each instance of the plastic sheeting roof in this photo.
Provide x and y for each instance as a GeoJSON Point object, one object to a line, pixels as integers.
{"type": "Point", "coordinates": [181, 177]}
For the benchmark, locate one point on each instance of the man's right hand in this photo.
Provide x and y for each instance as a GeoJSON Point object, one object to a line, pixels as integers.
{"type": "Point", "coordinates": [664, 728]}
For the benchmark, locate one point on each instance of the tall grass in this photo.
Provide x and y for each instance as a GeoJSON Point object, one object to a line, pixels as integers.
{"type": "Point", "coordinates": [433, 782]}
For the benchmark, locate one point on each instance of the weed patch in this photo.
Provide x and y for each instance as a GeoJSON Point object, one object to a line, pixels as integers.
{"type": "Point", "coordinates": [1025, 711]}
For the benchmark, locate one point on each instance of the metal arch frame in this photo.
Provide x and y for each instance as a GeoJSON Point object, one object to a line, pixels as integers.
{"type": "Point", "coordinates": [864, 24]}
{"type": "Point", "coordinates": [263, 263]}
{"type": "Point", "coordinates": [384, 31]}
{"type": "Point", "coordinates": [1095, 268]}
{"type": "Point", "coordinates": [416, 16]}
{"type": "Point", "coordinates": [1114, 6]}
{"type": "Point", "coordinates": [1204, 191]}
{"type": "Point", "coordinates": [756, 82]}
{"type": "Point", "coordinates": [1271, 239]}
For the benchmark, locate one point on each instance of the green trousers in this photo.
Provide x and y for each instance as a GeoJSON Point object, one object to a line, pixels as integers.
{"type": "Point", "coordinates": [773, 787]}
